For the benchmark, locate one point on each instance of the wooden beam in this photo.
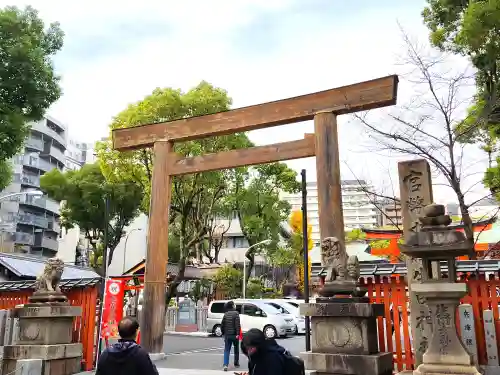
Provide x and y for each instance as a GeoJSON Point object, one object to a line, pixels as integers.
{"type": "Point", "coordinates": [376, 93]}
{"type": "Point", "coordinates": [331, 219]}
{"type": "Point", "coordinates": [249, 156]}
{"type": "Point", "coordinates": [153, 314]}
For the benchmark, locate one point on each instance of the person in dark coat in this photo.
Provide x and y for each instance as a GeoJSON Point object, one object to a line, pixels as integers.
{"type": "Point", "coordinates": [126, 357]}
{"type": "Point", "coordinates": [231, 328]}
{"type": "Point", "coordinates": [265, 356]}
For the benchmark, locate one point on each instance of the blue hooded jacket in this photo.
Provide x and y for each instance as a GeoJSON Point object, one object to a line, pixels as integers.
{"type": "Point", "coordinates": [125, 358]}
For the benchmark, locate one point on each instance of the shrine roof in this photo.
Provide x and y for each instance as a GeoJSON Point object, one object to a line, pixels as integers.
{"type": "Point", "coordinates": [368, 269]}
{"type": "Point", "coordinates": [14, 286]}
{"type": "Point", "coordinates": [29, 267]}
{"type": "Point", "coordinates": [479, 223]}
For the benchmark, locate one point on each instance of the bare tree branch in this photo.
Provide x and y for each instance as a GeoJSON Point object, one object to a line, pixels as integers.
{"type": "Point", "coordinates": [427, 127]}
{"type": "Point", "coordinates": [369, 194]}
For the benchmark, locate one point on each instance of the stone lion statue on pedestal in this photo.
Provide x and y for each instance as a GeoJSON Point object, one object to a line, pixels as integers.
{"type": "Point", "coordinates": [338, 265]}
{"type": "Point", "coordinates": [48, 281]}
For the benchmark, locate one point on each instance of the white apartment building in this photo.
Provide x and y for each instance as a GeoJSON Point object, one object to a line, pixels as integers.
{"type": "Point", "coordinates": [77, 154]}
{"type": "Point", "coordinates": [358, 211]}
{"type": "Point", "coordinates": [30, 225]}
{"type": "Point", "coordinates": [73, 247]}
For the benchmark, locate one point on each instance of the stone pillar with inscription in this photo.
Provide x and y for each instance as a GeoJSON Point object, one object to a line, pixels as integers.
{"type": "Point", "coordinates": [46, 328]}
{"type": "Point", "coordinates": [436, 242]}
{"type": "Point", "coordinates": [343, 321]}
{"type": "Point", "coordinates": [415, 186]}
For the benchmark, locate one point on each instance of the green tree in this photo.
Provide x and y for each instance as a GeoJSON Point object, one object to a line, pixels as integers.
{"type": "Point", "coordinates": [201, 289]}
{"type": "Point", "coordinates": [28, 84]}
{"type": "Point", "coordinates": [255, 288]}
{"type": "Point", "coordinates": [84, 195]}
{"type": "Point", "coordinates": [355, 235]}
{"type": "Point", "coordinates": [259, 207]}
{"type": "Point", "coordinates": [472, 28]}
{"type": "Point", "coordinates": [228, 279]}
{"type": "Point", "coordinates": [196, 198]}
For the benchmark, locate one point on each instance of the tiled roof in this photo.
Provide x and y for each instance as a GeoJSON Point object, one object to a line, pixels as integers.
{"type": "Point", "coordinates": [29, 267]}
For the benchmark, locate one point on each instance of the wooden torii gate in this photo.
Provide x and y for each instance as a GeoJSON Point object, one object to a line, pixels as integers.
{"type": "Point", "coordinates": [322, 107]}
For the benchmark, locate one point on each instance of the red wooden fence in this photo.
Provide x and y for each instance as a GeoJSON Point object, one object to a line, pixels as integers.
{"type": "Point", "coordinates": [84, 326]}
{"type": "Point", "coordinates": [393, 290]}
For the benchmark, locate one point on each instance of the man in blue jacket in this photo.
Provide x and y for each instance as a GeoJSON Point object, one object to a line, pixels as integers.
{"type": "Point", "coordinates": [126, 357]}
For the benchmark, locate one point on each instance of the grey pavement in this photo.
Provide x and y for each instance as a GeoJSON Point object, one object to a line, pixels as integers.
{"type": "Point", "coordinates": [187, 355]}
{"type": "Point", "coordinates": [206, 353]}
{"type": "Point", "coordinates": [171, 371]}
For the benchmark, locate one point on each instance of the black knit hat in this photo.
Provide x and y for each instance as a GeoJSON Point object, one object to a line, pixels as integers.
{"type": "Point", "coordinates": [229, 305]}
{"type": "Point", "coordinates": [254, 337]}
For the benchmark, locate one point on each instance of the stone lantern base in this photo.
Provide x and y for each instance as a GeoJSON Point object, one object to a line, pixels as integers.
{"type": "Point", "coordinates": [45, 333]}
{"type": "Point", "coordinates": [344, 337]}
{"type": "Point", "coordinates": [446, 354]}
{"type": "Point", "coordinates": [429, 369]}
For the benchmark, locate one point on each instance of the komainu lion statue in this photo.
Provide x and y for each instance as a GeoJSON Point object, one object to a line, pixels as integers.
{"type": "Point", "coordinates": [338, 265]}
{"type": "Point", "coordinates": [49, 280]}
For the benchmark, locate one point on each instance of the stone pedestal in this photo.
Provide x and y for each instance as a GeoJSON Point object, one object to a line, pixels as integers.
{"type": "Point", "coordinates": [344, 337]}
{"type": "Point", "coordinates": [45, 333]}
{"type": "Point", "coordinates": [446, 353]}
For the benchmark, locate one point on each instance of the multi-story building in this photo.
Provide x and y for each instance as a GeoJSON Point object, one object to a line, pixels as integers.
{"type": "Point", "coordinates": [31, 224]}
{"type": "Point", "coordinates": [390, 213]}
{"type": "Point", "coordinates": [77, 154]}
{"type": "Point", "coordinates": [73, 247]}
{"type": "Point", "coordinates": [357, 208]}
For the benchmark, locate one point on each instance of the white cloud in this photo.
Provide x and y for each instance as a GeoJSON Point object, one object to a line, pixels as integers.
{"type": "Point", "coordinates": [198, 42]}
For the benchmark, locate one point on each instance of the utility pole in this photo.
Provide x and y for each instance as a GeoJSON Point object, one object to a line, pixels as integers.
{"type": "Point", "coordinates": [305, 243]}
{"type": "Point", "coordinates": [105, 270]}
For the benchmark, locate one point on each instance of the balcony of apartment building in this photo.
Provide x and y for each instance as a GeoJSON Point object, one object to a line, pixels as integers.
{"type": "Point", "coordinates": [25, 218]}
{"type": "Point", "coordinates": [48, 128]}
{"type": "Point", "coordinates": [21, 238]}
{"type": "Point", "coordinates": [46, 204]}
{"type": "Point", "coordinates": [360, 221]}
{"type": "Point", "coordinates": [27, 180]}
{"type": "Point", "coordinates": [34, 143]}
{"type": "Point", "coordinates": [54, 152]}
{"type": "Point", "coordinates": [35, 163]}
{"type": "Point", "coordinates": [45, 245]}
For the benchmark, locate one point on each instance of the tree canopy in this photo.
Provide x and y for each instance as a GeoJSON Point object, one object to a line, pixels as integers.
{"type": "Point", "coordinates": [28, 83]}
{"type": "Point", "coordinates": [84, 194]}
{"type": "Point", "coordinates": [199, 198]}
{"type": "Point", "coordinates": [259, 207]}
{"type": "Point", "coordinates": [472, 28]}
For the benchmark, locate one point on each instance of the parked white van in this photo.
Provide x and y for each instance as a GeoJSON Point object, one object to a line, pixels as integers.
{"type": "Point", "coordinates": [293, 310]}
{"type": "Point", "coordinates": [253, 314]}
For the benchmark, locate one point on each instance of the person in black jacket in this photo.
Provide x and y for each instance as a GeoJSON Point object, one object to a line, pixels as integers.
{"type": "Point", "coordinates": [126, 357]}
{"type": "Point", "coordinates": [265, 356]}
{"type": "Point", "coordinates": [231, 328]}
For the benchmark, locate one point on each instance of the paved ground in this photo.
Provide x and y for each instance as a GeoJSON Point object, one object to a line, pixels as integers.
{"type": "Point", "coordinates": [205, 353]}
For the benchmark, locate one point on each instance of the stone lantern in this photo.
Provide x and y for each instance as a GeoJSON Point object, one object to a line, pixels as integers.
{"type": "Point", "coordinates": [433, 244]}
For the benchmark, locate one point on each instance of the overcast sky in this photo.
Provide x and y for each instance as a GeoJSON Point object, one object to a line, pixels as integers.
{"type": "Point", "coordinates": [117, 51]}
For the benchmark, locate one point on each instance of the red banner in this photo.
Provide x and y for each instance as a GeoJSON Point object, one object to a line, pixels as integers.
{"type": "Point", "coordinates": [113, 308]}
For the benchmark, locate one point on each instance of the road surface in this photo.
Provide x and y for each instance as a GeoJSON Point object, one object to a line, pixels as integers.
{"type": "Point", "coordinates": [205, 353]}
